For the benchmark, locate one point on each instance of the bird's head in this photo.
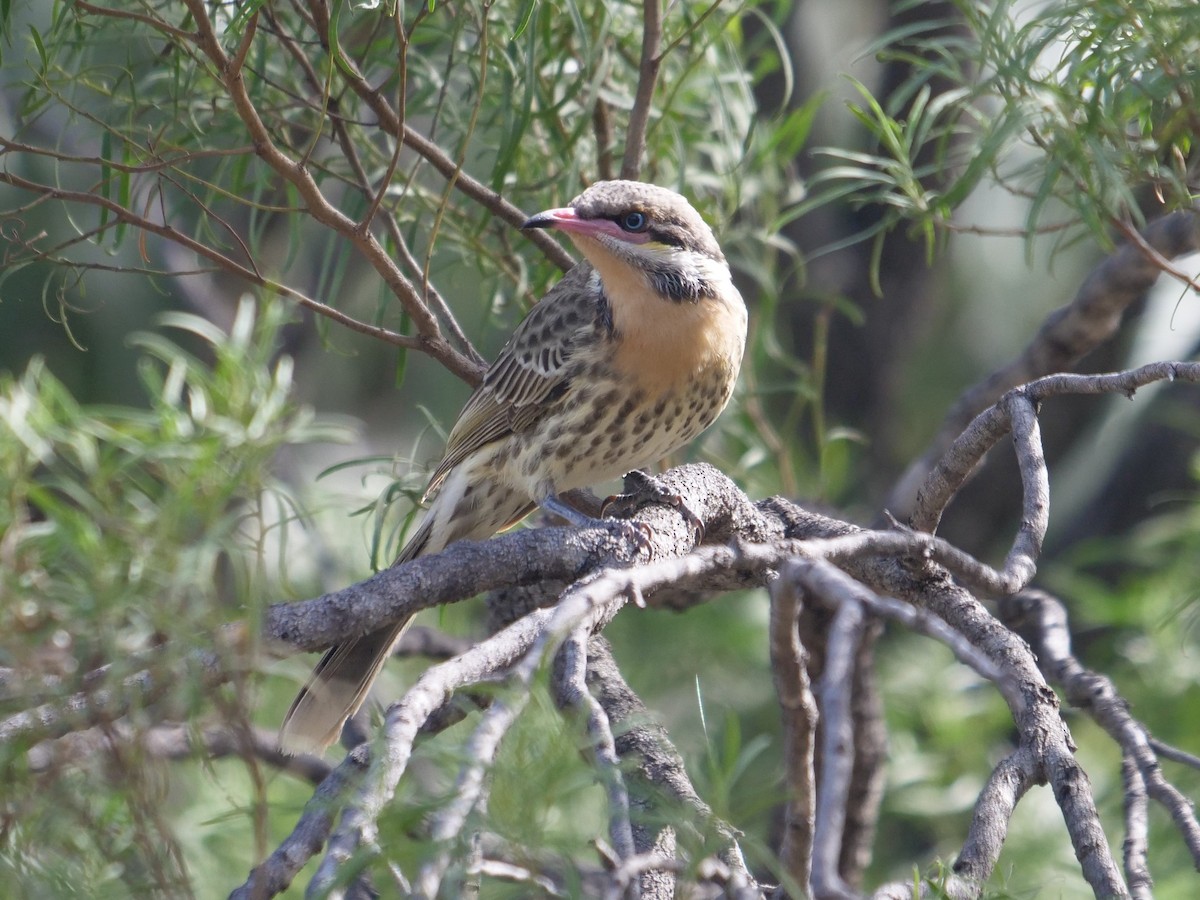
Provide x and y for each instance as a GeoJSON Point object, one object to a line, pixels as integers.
{"type": "Point", "coordinates": [628, 227]}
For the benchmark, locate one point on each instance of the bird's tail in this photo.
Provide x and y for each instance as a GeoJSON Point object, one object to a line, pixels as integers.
{"type": "Point", "coordinates": [339, 684]}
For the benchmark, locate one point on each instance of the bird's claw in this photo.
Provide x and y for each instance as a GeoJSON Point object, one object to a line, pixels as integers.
{"type": "Point", "coordinates": [642, 489]}
{"type": "Point", "coordinates": [618, 506]}
{"type": "Point", "coordinates": [637, 533]}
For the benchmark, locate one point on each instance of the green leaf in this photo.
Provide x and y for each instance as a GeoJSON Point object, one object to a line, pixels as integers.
{"type": "Point", "coordinates": [41, 49]}
{"type": "Point", "coordinates": [523, 18]}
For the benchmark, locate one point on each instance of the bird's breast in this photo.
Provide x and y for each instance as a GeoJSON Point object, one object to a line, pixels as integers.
{"type": "Point", "coordinates": [670, 345]}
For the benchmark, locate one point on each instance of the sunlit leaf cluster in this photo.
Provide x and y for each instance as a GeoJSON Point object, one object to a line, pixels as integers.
{"type": "Point", "coordinates": [1086, 109]}
{"type": "Point", "coordinates": [120, 523]}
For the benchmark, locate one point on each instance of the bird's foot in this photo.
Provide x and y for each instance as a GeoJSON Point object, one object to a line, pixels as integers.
{"type": "Point", "coordinates": [636, 533]}
{"type": "Point", "coordinates": [642, 489]}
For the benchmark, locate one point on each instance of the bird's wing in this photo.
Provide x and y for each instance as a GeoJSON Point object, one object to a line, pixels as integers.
{"type": "Point", "coordinates": [530, 374]}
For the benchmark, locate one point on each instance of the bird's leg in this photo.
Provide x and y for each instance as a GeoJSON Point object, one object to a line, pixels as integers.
{"type": "Point", "coordinates": [642, 489]}
{"type": "Point", "coordinates": [555, 505]}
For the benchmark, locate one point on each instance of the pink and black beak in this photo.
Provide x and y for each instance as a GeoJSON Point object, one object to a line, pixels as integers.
{"type": "Point", "coordinates": [568, 220]}
{"type": "Point", "coordinates": [564, 218]}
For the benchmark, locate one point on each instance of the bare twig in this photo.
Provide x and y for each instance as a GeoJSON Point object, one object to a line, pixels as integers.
{"type": "Point", "coordinates": [98, 704]}
{"type": "Point", "coordinates": [602, 129]}
{"type": "Point", "coordinates": [1041, 727]}
{"type": "Point", "coordinates": [226, 263]}
{"type": "Point", "coordinates": [1068, 334]}
{"type": "Point", "coordinates": [588, 605]}
{"type": "Point", "coordinates": [789, 668]}
{"type": "Point", "coordinates": [965, 453]}
{"type": "Point", "coordinates": [1166, 751]}
{"type": "Point", "coordinates": [708, 871]}
{"type": "Point", "coordinates": [1012, 777]}
{"type": "Point", "coordinates": [1157, 259]}
{"type": "Point", "coordinates": [275, 873]}
{"type": "Point", "coordinates": [571, 692]}
{"type": "Point", "coordinates": [506, 871]}
{"type": "Point", "coordinates": [837, 749]}
{"type": "Point", "coordinates": [1034, 709]}
{"type": "Point", "coordinates": [1137, 827]}
{"type": "Point", "coordinates": [643, 98]}
{"type": "Point", "coordinates": [823, 582]}
{"type": "Point", "coordinates": [832, 586]}
{"type": "Point", "coordinates": [657, 772]}
{"type": "Point", "coordinates": [1042, 620]}
{"type": "Point", "coordinates": [869, 774]}
{"type": "Point", "coordinates": [485, 661]}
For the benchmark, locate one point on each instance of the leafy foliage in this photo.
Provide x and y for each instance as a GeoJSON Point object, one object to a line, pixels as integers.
{"type": "Point", "coordinates": [1082, 108]}
{"type": "Point", "coordinates": [135, 114]}
{"type": "Point", "coordinates": [123, 528]}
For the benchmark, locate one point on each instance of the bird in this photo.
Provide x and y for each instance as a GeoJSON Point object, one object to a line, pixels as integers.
{"type": "Point", "coordinates": [629, 357]}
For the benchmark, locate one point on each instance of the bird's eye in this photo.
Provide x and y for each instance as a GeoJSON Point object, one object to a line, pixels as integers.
{"type": "Point", "coordinates": [635, 221]}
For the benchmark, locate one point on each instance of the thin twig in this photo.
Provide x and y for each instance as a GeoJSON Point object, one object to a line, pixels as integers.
{"type": "Point", "coordinates": [156, 23]}
{"type": "Point", "coordinates": [1137, 830]}
{"type": "Point", "coordinates": [1042, 620]}
{"type": "Point", "coordinates": [1166, 751]}
{"type": "Point", "coordinates": [1160, 261]}
{"type": "Point", "coordinates": [964, 454]}
{"type": "Point", "coordinates": [837, 748]}
{"type": "Point", "coordinates": [643, 98]}
{"type": "Point", "coordinates": [789, 669]}
{"type": "Point", "coordinates": [571, 692]}
{"type": "Point", "coordinates": [275, 873]}
{"type": "Point", "coordinates": [226, 263]}
{"type": "Point", "coordinates": [404, 720]}
{"type": "Point", "coordinates": [658, 781]}
{"type": "Point", "coordinates": [588, 605]}
{"type": "Point", "coordinates": [1066, 336]}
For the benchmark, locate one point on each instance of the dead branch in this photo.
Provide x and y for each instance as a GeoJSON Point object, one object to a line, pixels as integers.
{"type": "Point", "coordinates": [1016, 412]}
{"type": "Point", "coordinates": [658, 772]}
{"type": "Point", "coordinates": [789, 666]}
{"type": "Point", "coordinates": [571, 692]}
{"type": "Point", "coordinates": [486, 661]}
{"type": "Point", "coordinates": [1066, 336]}
{"type": "Point", "coordinates": [1042, 620]}
{"type": "Point", "coordinates": [274, 875]}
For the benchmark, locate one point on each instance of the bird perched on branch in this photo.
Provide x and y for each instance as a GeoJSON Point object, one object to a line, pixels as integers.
{"type": "Point", "coordinates": [628, 358]}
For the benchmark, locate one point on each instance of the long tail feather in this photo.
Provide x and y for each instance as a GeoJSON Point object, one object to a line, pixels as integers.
{"type": "Point", "coordinates": [339, 684]}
